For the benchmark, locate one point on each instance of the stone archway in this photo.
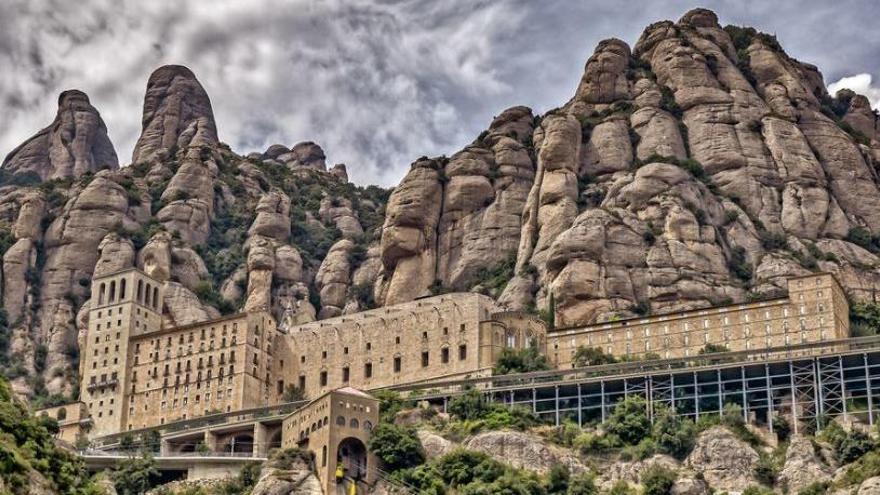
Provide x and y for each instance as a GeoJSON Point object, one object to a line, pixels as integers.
{"type": "Point", "coordinates": [352, 454]}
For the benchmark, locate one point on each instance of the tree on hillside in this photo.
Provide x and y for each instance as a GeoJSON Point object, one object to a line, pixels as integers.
{"type": "Point", "coordinates": [591, 356]}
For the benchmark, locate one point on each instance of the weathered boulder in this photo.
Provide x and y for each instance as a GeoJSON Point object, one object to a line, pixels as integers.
{"type": "Point", "coordinates": [116, 254]}
{"type": "Point", "coordinates": [631, 472]}
{"type": "Point", "coordinates": [726, 462]}
{"type": "Point", "coordinates": [802, 466]}
{"type": "Point", "coordinates": [155, 257]}
{"type": "Point", "coordinates": [523, 450]}
{"type": "Point", "coordinates": [434, 444]}
{"type": "Point", "coordinates": [334, 278]}
{"type": "Point", "coordinates": [288, 472]}
{"type": "Point", "coordinates": [74, 143]}
{"type": "Point", "coordinates": [273, 216]}
{"type": "Point", "coordinates": [410, 232]}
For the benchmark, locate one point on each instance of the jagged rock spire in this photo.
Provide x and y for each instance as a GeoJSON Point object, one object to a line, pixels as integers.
{"type": "Point", "coordinates": [177, 114]}
{"type": "Point", "coordinates": [74, 143]}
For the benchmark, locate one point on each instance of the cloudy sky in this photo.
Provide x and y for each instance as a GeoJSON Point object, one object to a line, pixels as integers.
{"type": "Point", "coordinates": [377, 83]}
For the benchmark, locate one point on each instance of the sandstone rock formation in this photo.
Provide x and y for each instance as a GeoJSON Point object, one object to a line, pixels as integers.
{"type": "Point", "coordinates": [523, 450]}
{"type": "Point", "coordinates": [177, 114]}
{"type": "Point", "coordinates": [726, 462]}
{"type": "Point", "coordinates": [74, 143]}
{"type": "Point", "coordinates": [701, 165]}
{"type": "Point", "coordinates": [285, 474]}
{"type": "Point", "coordinates": [802, 466]}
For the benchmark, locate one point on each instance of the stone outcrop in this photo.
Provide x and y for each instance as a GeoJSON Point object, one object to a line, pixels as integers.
{"type": "Point", "coordinates": [523, 450]}
{"type": "Point", "coordinates": [434, 444]}
{"type": "Point", "coordinates": [725, 462]}
{"type": "Point", "coordinates": [631, 471]}
{"type": "Point", "coordinates": [74, 143]}
{"type": "Point", "coordinates": [285, 474]}
{"type": "Point", "coordinates": [334, 278]}
{"type": "Point", "coordinates": [177, 114]}
{"type": "Point", "coordinates": [802, 466]}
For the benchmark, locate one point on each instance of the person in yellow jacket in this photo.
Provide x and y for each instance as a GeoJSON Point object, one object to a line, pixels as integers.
{"type": "Point", "coordinates": [340, 472]}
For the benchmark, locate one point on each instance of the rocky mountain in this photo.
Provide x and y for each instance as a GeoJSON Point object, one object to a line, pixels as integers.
{"type": "Point", "coordinates": [700, 166]}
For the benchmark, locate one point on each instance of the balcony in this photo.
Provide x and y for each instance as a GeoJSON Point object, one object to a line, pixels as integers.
{"type": "Point", "coordinates": [111, 382]}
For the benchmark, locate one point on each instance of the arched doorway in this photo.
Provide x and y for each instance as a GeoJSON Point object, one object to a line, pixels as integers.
{"type": "Point", "coordinates": [352, 454]}
{"type": "Point", "coordinates": [240, 444]}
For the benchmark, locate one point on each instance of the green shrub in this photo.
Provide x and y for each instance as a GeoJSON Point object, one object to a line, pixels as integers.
{"type": "Point", "coordinates": [757, 490]}
{"type": "Point", "coordinates": [668, 103]}
{"type": "Point", "coordinates": [657, 480]}
{"type": "Point", "coordinates": [629, 420]}
{"type": "Point", "coordinates": [674, 435]}
{"type": "Point", "coordinates": [582, 484]}
{"type": "Point", "coordinates": [739, 265]}
{"type": "Point", "coordinates": [592, 356]}
{"type": "Point", "coordinates": [520, 361]}
{"type": "Point", "coordinates": [817, 488]}
{"type": "Point", "coordinates": [558, 479]}
{"type": "Point", "coordinates": [134, 475]}
{"type": "Point", "coordinates": [766, 469]}
{"type": "Point", "coordinates": [848, 446]}
{"type": "Point", "coordinates": [396, 446]}
{"type": "Point", "coordinates": [712, 348]}
{"type": "Point", "coordinates": [470, 405]}
{"type": "Point", "coordinates": [772, 241]}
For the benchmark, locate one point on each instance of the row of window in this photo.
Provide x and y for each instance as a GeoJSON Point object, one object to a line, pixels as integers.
{"type": "Point", "coordinates": [397, 367]}
{"type": "Point", "coordinates": [147, 294]}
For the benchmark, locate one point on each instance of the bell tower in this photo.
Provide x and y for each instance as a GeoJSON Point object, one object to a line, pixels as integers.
{"type": "Point", "coordinates": [123, 304]}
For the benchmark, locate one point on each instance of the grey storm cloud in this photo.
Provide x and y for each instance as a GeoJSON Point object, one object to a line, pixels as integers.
{"type": "Point", "coordinates": [376, 83]}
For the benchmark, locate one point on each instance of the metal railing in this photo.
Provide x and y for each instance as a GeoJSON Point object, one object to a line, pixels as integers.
{"type": "Point", "coordinates": [710, 360]}
{"type": "Point", "coordinates": [242, 416]}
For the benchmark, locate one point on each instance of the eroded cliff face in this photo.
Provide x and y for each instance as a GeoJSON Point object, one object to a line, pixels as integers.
{"type": "Point", "coordinates": [700, 166]}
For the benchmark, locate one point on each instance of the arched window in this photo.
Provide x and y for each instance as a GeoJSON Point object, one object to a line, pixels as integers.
{"type": "Point", "coordinates": [368, 426]}
{"type": "Point", "coordinates": [62, 414]}
{"type": "Point", "coordinates": [122, 289]}
{"type": "Point", "coordinates": [112, 297]}
{"type": "Point", "coordinates": [314, 427]}
{"type": "Point", "coordinates": [340, 421]}
{"type": "Point", "coordinates": [140, 291]}
{"type": "Point", "coordinates": [101, 293]}
{"type": "Point", "coordinates": [326, 420]}
{"type": "Point", "coordinates": [354, 423]}
{"type": "Point", "coordinates": [148, 299]}
{"type": "Point", "coordinates": [511, 339]}
{"type": "Point", "coordinates": [155, 297]}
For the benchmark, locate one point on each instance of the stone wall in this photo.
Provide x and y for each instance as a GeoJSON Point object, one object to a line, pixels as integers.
{"type": "Point", "coordinates": [814, 310]}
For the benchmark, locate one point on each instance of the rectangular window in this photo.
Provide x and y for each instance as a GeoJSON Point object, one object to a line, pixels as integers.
{"type": "Point", "coordinates": [345, 374]}
{"type": "Point", "coordinates": [424, 359]}
{"type": "Point", "coordinates": [302, 383]}
{"type": "Point", "coordinates": [444, 355]}
{"type": "Point", "coordinates": [323, 380]}
{"type": "Point", "coordinates": [368, 370]}
{"type": "Point", "coordinates": [462, 352]}
{"type": "Point", "coordinates": [397, 364]}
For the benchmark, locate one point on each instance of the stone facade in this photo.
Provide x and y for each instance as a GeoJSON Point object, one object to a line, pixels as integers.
{"type": "Point", "coordinates": [139, 373]}
{"type": "Point", "coordinates": [218, 366]}
{"type": "Point", "coordinates": [336, 428]}
{"type": "Point", "coordinates": [73, 420]}
{"type": "Point", "coordinates": [814, 310]}
{"type": "Point", "coordinates": [442, 337]}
